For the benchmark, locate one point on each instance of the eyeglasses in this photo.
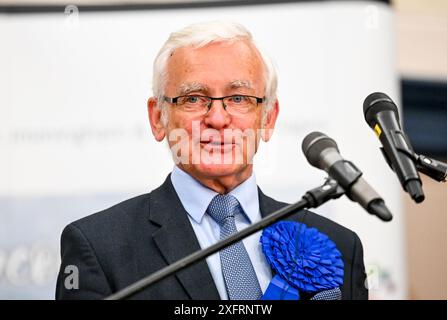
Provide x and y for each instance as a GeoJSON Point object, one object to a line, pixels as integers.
{"type": "Point", "coordinates": [234, 104]}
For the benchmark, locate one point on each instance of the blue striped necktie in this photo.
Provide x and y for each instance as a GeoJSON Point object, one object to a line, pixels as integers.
{"type": "Point", "coordinates": [239, 275]}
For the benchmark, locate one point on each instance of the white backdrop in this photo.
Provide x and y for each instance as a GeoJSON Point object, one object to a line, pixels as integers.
{"type": "Point", "coordinates": [75, 138]}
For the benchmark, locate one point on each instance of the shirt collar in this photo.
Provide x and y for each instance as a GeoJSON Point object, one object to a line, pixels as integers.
{"type": "Point", "coordinates": [247, 195]}
{"type": "Point", "coordinates": [196, 198]}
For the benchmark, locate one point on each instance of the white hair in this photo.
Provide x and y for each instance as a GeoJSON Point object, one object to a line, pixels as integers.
{"type": "Point", "coordinates": [199, 35]}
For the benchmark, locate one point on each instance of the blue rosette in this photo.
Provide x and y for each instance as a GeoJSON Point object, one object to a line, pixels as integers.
{"type": "Point", "coordinates": [304, 259]}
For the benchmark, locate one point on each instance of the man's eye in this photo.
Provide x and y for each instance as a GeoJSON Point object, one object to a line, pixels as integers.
{"type": "Point", "coordinates": [192, 99]}
{"type": "Point", "coordinates": [237, 99]}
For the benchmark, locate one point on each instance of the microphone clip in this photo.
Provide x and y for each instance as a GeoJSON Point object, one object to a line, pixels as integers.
{"type": "Point", "coordinates": [433, 168]}
{"type": "Point", "coordinates": [401, 145]}
{"type": "Point", "coordinates": [328, 191]}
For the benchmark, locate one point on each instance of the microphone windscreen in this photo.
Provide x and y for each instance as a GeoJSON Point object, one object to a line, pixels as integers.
{"type": "Point", "coordinates": [313, 144]}
{"type": "Point", "coordinates": [375, 103]}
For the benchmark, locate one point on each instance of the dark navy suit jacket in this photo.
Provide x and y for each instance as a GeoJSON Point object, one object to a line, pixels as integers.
{"type": "Point", "coordinates": [118, 246]}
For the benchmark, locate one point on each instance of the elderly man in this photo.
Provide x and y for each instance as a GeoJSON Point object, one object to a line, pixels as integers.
{"type": "Point", "coordinates": [214, 99]}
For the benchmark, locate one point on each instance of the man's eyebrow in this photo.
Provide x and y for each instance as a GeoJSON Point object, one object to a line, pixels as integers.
{"type": "Point", "coordinates": [186, 88]}
{"type": "Point", "coordinates": [236, 84]}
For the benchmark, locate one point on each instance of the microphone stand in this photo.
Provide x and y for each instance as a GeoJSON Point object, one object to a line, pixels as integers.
{"type": "Point", "coordinates": [312, 199]}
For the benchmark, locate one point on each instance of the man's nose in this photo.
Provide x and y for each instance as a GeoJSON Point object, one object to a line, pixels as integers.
{"type": "Point", "coordinates": [217, 117]}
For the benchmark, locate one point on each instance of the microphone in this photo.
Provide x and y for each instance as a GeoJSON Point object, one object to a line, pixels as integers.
{"type": "Point", "coordinates": [322, 153]}
{"type": "Point", "coordinates": [382, 116]}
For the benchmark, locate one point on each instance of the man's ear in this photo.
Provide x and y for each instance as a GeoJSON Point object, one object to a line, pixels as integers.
{"type": "Point", "coordinates": [270, 121]}
{"type": "Point", "coordinates": [157, 126]}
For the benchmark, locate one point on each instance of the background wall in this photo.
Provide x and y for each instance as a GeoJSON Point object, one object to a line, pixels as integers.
{"type": "Point", "coordinates": [421, 30]}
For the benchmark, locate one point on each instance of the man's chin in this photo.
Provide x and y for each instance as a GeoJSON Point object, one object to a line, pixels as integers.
{"type": "Point", "coordinates": [217, 170]}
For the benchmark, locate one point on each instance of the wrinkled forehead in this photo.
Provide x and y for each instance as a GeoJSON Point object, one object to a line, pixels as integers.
{"type": "Point", "coordinates": [234, 64]}
{"type": "Point", "coordinates": [188, 87]}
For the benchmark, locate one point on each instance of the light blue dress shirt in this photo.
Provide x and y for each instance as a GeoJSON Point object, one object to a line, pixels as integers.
{"type": "Point", "coordinates": [195, 198]}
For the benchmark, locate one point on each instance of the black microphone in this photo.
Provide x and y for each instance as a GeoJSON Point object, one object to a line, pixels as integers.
{"type": "Point", "coordinates": [322, 152]}
{"type": "Point", "coordinates": [382, 116]}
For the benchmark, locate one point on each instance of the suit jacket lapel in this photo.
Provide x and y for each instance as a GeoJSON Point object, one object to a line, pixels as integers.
{"type": "Point", "coordinates": [176, 239]}
{"type": "Point", "coordinates": [267, 205]}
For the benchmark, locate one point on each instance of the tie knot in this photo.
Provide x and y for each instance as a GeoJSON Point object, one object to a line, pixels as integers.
{"type": "Point", "coordinates": [222, 207]}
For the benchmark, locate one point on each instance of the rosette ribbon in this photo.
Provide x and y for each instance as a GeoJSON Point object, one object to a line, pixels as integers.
{"type": "Point", "coordinates": [305, 261]}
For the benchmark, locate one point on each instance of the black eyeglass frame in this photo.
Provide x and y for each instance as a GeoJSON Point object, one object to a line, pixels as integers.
{"type": "Point", "coordinates": [174, 100]}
